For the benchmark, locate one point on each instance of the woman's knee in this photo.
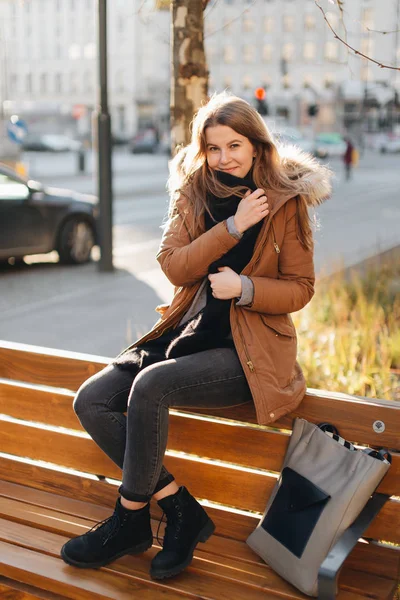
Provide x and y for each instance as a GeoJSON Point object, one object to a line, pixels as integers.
{"type": "Point", "coordinates": [83, 399]}
{"type": "Point", "coordinates": [149, 387]}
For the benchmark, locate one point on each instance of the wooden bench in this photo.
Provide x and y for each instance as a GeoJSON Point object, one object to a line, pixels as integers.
{"type": "Point", "coordinates": [55, 483]}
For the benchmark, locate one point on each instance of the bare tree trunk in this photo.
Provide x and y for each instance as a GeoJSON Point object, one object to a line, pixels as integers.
{"type": "Point", "coordinates": [189, 85]}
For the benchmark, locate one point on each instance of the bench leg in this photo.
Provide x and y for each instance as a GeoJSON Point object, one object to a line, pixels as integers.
{"type": "Point", "coordinates": [329, 570]}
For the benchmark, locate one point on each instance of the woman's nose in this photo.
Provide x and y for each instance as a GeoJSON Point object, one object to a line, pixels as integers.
{"type": "Point", "coordinates": [224, 158]}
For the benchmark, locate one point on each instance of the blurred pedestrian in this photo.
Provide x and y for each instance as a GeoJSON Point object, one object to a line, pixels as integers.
{"type": "Point", "coordinates": [348, 158]}
{"type": "Point", "coordinates": [238, 248]}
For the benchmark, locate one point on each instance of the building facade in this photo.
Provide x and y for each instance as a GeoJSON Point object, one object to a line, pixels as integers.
{"type": "Point", "coordinates": [48, 67]}
{"type": "Point", "coordinates": [48, 61]}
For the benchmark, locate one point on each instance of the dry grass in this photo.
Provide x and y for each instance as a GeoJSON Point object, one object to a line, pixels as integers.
{"type": "Point", "coordinates": [349, 335]}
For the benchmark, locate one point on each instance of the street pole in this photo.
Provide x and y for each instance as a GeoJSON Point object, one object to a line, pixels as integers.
{"type": "Point", "coordinates": [104, 149]}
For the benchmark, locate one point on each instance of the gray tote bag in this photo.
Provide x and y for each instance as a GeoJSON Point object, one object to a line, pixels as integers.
{"type": "Point", "coordinates": [322, 488]}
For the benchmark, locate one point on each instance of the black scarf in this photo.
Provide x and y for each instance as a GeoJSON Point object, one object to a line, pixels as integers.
{"type": "Point", "coordinates": [210, 328]}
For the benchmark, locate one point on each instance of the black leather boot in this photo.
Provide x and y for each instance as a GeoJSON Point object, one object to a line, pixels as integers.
{"type": "Point", "coordinates": [187, 525]}
{"type": "Point", "coordinates": [125, 532]}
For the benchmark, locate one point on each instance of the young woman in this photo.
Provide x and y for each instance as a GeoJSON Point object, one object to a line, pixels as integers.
{"type": "Point", "coordinates": [238, 247]}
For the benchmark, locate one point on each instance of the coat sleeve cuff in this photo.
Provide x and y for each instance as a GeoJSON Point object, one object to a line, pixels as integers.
{"type": "Point", "coordinates": [247, 296]}
{"type": "Point", "coordinates": [230, 224]}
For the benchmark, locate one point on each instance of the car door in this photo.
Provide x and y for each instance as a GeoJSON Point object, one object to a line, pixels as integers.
{"type": "Point", "coordinates": [22, 222]}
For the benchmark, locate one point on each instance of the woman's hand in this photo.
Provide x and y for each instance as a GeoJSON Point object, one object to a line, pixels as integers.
{"type": "Point", "coordinates": [226, 284]}
{"type": "Point", "coordinates": [252, 208]}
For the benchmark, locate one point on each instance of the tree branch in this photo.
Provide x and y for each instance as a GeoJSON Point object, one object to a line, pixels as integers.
{"type": "Point", "coordinates": [357, 52]}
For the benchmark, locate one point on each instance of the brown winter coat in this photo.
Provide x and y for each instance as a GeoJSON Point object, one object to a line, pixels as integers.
{"type": "Point", "coordinates": [283, 276]}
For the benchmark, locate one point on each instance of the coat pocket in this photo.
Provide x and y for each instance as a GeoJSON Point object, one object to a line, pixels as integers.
{"type": "Point", "coordinates": [295, 511]}
{"type": "Point", "coordinates": [282, 347]}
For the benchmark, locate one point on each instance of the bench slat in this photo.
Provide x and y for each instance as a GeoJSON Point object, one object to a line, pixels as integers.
{"type": "Point", "coordinates": [81, 453]}
{"type": "Point", "coordinates": [354, 417]}
{"type": "Point", "coordinates": [246, 490]}
{"type": "Point", "coordinates": [259, 575]}
{"type": "Point", "coordinates": [232, 525]}
{"type": "Point", "coordinates": [13, 591]}
{"type": "Point", "coordinates": [365, 557]}
{"type": "Point", "coordinates": [52, 574]}
{"type": "Point", "coordinates": [248, 446]}
{"type": "Point", "coordinates": [47, 366]}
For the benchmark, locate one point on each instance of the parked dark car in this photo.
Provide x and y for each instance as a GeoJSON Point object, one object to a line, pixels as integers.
{"type": "Point", "coordinates": [35, 219]}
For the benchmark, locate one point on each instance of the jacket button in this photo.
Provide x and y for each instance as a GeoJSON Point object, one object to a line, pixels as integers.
{"type": "Point", "coordinates": [272, 415]}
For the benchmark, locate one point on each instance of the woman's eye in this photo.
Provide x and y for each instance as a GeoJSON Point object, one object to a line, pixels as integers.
{"type": "Point", "coordinates": [235, 146]}
{"type": "Point", "coordinates": [213, 149]}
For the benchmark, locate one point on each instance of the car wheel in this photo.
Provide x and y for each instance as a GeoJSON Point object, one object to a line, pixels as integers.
{"type": "Point", "coordinates": [75, 241]}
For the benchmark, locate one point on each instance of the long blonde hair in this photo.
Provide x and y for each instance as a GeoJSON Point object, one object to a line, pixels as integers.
{"type": "Point", "coordinates": [191, 176]}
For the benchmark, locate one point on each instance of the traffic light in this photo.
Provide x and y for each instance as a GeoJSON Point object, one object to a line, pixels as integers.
{"type": "Point", "coordinates": [313, 110]}
{"type": "Point", "coordinates": [261, 105]}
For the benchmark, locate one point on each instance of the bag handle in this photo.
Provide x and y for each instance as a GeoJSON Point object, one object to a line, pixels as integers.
{"type": "Point", "coordinates": [328, 427]}
{"type": "Point", "coordinates": [382, 454]}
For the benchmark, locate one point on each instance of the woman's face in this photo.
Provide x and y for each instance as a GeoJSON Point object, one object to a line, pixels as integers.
{"type": "Point", "coordinates": [229, 151]}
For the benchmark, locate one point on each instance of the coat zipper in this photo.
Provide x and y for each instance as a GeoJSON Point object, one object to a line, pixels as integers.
{"type": "Point", "coordinates": [277, 249]}
{"type": "Point", "coordinates": [249, 362]}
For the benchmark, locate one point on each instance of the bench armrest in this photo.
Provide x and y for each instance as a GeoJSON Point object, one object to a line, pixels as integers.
{"type": "Point", "coordinates": [329, 570]}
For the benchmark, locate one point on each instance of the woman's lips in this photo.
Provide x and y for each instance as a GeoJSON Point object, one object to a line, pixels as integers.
{"type": "Point", "coordinates": [229, 170]}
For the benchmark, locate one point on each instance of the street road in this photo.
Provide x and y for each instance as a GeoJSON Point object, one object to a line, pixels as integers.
{"type": "Point", "coordinates": [77, 308]}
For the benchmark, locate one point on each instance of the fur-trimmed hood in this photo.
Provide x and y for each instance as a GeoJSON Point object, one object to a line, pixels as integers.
{"type": "Point", "coordinates": [313, 178]}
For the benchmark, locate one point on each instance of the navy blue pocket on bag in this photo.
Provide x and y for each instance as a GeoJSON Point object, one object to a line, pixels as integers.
{"type": "Point", "coordinates": [295, 511]}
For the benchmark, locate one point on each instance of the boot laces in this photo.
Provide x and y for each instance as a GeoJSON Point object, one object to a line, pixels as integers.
{"type": "Point", "coordinates": [174, 522]}
{"type": "Point", "coordinates": [110, 527]}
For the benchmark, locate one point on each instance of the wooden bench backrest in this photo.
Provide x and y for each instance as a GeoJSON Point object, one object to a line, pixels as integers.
{"type": "Point", "coordinates": [237, 461]}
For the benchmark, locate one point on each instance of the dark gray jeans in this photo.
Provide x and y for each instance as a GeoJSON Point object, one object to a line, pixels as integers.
{"type": "Point", "coordinates": [137, 442]}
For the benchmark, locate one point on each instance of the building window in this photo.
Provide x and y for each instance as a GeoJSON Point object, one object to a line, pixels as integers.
{"type": "Point", "coordinates": [248, 54]}
{"type": "Point", "coordinates": [121, 24]}
{"type": "Point", "coordinates": [309, 51]}
{"type": "Point", "coordinates": [229, 54]}
{"type": "Point", "coordinates": [288, 51]}
{"type": "Point", "coordinates": [43, 83]}
{"type": "Point", "coordinates": [332, 19]}
{"type": "Point", "coordinates": [58, 83]}
{"type": "Point", "coordinates": [248, 24]}
{"type": "Point", "coordinates": [228, 25]}
{"type": "Point", "coordinates": [88, 81]}
{"type": "Point", "coordinates": [309, 22]}
{"type": "Point", "coordinates": [14, 83]}
{"type": "Point", "coordinates": [74, 51]}
{"type": "Point", "coordinates": [73, 82]}
{"type": "Point", "coordinates": [90, 50]}
{"type": "Point", "coordinates": [247, 82]}
{"type": "Point", "coordinates": [367, 18]}
{"type": "Point", "coordinates": [286, 82]}
{"type": "Point", "coordinates": [331, 51]}
{"type": "Point", "coordinates": [364, 73]}
{"type": "Point", "coordinates": [28, 84]}
{"type": "Point", "coordinates": [307, 81]}
{"type": "Point", "coordinates": [119, 80]}
{"type": "Point", "coordinates": [58, 52]}
{"type": "Point", "coordinates": [267, 53]}
{"type": "Point", "coordinates": [268, 24]}
{"type": "Point", "coordinates": [288, 23]}
{"type": "Point", "coordinates": [367, 46]}
{"type": "Point", "coordinates": [329, 80]}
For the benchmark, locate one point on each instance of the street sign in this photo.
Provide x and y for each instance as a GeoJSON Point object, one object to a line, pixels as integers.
{"type": "Point", "coordinates": [16, 129]}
